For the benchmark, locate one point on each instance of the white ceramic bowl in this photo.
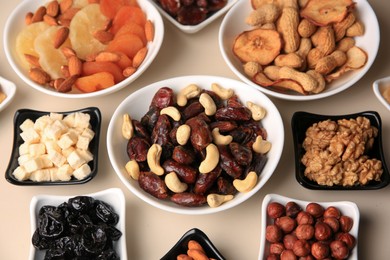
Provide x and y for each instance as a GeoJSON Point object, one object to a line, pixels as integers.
{"type": "Point", "coordinates": [113, 196]}
{"type": "Point", "coordinates": [234, 23]}
{"type": "Point", "coordinates": [9, 89]}
{"type": "Point", "coordinates": [194, 28]}
{"type": "Point", "coordinates": [346, 208]}
{"type": "Point", "coordinates": [137, 104]}
{"type": "Point", "coordinates": [15, 23]}
{"type": "Point", "coordinates": [379, 86]}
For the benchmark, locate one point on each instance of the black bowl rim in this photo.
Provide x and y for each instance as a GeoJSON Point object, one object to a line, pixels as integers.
{"type": "Point", "coordinates": [297, 128]}
{"type": "Point", "coordinates": [22, 114]}
{"type": "Point", "coordinates": [197, 235]}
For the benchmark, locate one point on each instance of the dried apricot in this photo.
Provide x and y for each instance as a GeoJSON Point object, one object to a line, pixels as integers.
{"type": "Point", "coordinates": [92, 67]}
{"type": "Point", "coordinates": [94, 82]}
{"type": "Point", "coordinates": [129, 44]}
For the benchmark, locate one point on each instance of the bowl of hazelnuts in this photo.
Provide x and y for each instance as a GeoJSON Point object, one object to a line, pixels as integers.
{"type": "Point", "coordinates": [308, 230]}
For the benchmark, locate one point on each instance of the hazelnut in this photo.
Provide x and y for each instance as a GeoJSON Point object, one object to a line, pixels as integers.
{"type": "Point", "coordinates": [301, 247]}
{"type": "Point", "coordinates": [339, 249]}
{"type": "Point", "coordinates": [347, 238]}
{"type": "Point", "coordinates": [308, 257]}
{"type": "Point", "coordinates": [333, 223]}
{"type": "Point", "coordinates": [322, 231]}
{"type": "Point", "coordinates": [276, 248]}
{"type": "Point", "coordinates": [275, 210]}
{"type": "Point", "coordinates": [304, 231]}
{"type": "Point", "coordinates": [304, 218]}
{"type": "Point", "coordinates": [286, 224]}
{"type": "Point", "coordinates": [346, 223]}
{"type": "Point", "coordinates": [292, 209]}
{"type": "Point", "coordinates": [288, 254]}
{"type": "Point", "coordinates": [289, 240]}
{"type": "Point", "coordinates": [320, 250]}
{"type": "Point", "coordinates": [273, 234]}
{"type": "Point", "coordinates": [272, 257]}
{"type": "Point", "coordinates": [332, 212]}
{"type": "Point", "coordinates": [315, 209]}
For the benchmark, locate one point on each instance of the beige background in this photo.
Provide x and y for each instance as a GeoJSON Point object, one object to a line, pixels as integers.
{"type": "Point", "coordinates": [236, 233]}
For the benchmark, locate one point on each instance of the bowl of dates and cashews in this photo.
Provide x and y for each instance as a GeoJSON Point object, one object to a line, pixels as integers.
{"type": "Point", "coordinates": [192, 171]}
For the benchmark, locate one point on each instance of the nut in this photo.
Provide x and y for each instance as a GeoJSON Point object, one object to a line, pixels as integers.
{"type": "Point", "coordinates": [258, 112]}
{"type": "Point", "coordinates": [139, 57]}
{"type": "Point", "coordinates": [39, 76]}
{"type": "Point", "coordinates": [127, 127]}
{"type": "Point", "coordinates": [307, 82]}
{"type": "Point", "coordinates": [132, 169]}
{"type": "Point", "coordinates": [251, 68]}
{"type": "Point", "coordinates": [292, 60]}
{"type": "Point", "coordinates": [174, 184]}
{"type": "Point", "coordinates": [61, 36]}
{"type": "Point", "coordinates": [186, 93]}
{"type": "Point", "coordinates": [183, 134]}
{"type": "Point", "coordinates": [223, 93]}
{"type": "Point", "coordinates": [246, 184]}
{"type": "Point", "coordinates": [261, 146]}
{"type": "Point", "coordinates": [275, 210]}
{"type": "Point", "coordinates": [208, 103]}
{"type": "Point", "coordinates": [287, 26]}
{"type": "Point", "coordinates": [221, 139]}
{"type": "Point", "coordinates": [215, 200]}
{"type": "Point", "coordinates": [171, 111]}
{"type": "Point", "coordinates": [153, 159]}
{"type": "Point", "coordinates": [211, 160]}
{"type": "Point", "coordinates": [75, 65]}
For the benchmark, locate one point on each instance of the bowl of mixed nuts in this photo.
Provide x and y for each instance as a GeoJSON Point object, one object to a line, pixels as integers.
{"type": "Point", "coordinates": [339, 152]}
{"type": "Point", "coordinates": [195, 144]}
{"type": "Point", "coordinates": [77, 49]}
{"type": "Point", "coordinates": [300, 52]}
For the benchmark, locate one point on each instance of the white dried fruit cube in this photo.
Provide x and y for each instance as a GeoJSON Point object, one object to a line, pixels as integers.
{"type": "Point", "coordinates": [75, 160]}
{"type": "Point", "coordinates": [68, 151]}
{"type": "Point", "coordinates": [82, 142]}
{"type": "Point", "coordinates": [33, 164]}
{"type": "Point", "coordinates": [82, 172]}
{"type": "Point", "coordinates": [36, 150]}
{"type": "Point", "coordinates": [42, 122]}
{"type": "Point", "coordinates": [24, 158]}
{"type": "Point", "coordinates": [23, 148]}
{"type": "Point", "coordinates": [81, 120]}
{"type": "Point", "coordinates": [69, 120]}
{"type": "Point", "coordinates": [86, 154]}
{"type": "Point", "coordinates": [52, 146]}
{"type": "Point", "coordinates": [52, 132]}
{"type": "Point", "coordinates": [40, 175]}
{"type": "Point", "coordinates": [30, 136]}
{"type": "Point", "coordinates": [56, 116]}
{"type": "Point", "coordinates": [88, 132]}
{"type": "Point", "coordinates": [61, 125]}
{"type": "Point", "coordinates": [21, 174]}
{"type": "Point", "coordinates": [66, 140]}
{"type": "Point", "coordinates": [64, 173]}
{"type": "Point", "coordinates": [28, 123]}
{"type": "Point", "coordinates": [57, 158]}
{"type": "Point", "coordinates": [46, 161]}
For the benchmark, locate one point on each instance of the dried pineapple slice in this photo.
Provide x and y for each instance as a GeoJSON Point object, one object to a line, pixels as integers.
{"type": "Point", "coordinates": [25, 40]}
{"type": "Point", "coordinates": [82, 27]}
{"type": "Point", "coordinates": [50, 58]}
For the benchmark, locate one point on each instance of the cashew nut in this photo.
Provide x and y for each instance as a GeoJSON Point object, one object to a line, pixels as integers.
{"type": "Point", "coordinates": [174, 184]}
{"type": "Point", "coordinates": [183, 134]}
{"type": "Point", "coordinates": [261, 146]}
{"type": "Point", "coordinates": [186, 93]}
{"type": "Point", "coordinates": [171, 111]}
{"type": "Point", "coordinates": [132, 169]}
{"type": "Point", "coordinates": [246, 184]}
{"type": "Point", "coordinates": [221, 139]}
{"type": "Point", "coordinates": [215, 200]}
{"type": "Point", "coordinates": [258, 112]}
{"type": "Point", "coordinates": [127, 127]}
{"type": "Point", "coordinates": [211, 160]}
{"type": "Point", "coordinates": [223, 93]}
{"type": "Point", "coordinates": [153, 158]}
{"type": "Point", "coordinates": [208, 103]}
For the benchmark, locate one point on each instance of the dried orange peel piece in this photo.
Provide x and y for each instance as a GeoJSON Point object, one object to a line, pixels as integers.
{"type": "Point", "coordinates": [323, 13]}
{"type": "Point", "coordinates": [259, 45]}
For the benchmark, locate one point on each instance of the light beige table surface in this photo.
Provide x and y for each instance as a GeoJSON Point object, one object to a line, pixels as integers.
{"type": "Point", "coordinates": [151, 232]}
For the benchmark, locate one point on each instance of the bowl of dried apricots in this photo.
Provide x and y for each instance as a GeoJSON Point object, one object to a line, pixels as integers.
{"type": "Point", "coordinates": [300, 51]}
{"type": "Point", "coordinates": [78, 49]}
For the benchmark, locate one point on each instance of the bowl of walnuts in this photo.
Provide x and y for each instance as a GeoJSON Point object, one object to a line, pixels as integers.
{"type": "Point", "coordinates": [297, 52]}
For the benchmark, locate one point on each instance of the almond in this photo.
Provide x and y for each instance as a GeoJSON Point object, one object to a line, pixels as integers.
{"type": "Point", "coordinates": [139, 57]}
{"type": "Point", "coordinates": [68, 52]}
{"type": "Point", "coordinates": [39, 76]}
{"type": "Point", "coordinates": [127, 72]}
{"type": "Point", "coordinates": [57, 83]}
{"type": "Point", "coordinates": [53, 8]}
{"type": "Point", "coordinates": [28, 18]}
{"type": "Point", "coordinates": [32, 60]}
{"type": "Point", "coordinates": [75, 66]}
{"type": "Point", "coordinates": [38, 15]}
{"type": "Point", "coordinates": [61, 36]}
{"type": "Point", "coordinates": [103, 36]}
{"type": "Point", "coordinates": [108, 56]}
{"type": "Point", "coordinates": [65, 71]}
{"type": "Point", "coordinates": [67, 84]}
{"type": "Point", "coordinates": [65, 5]}
{"type": "Point", "coordinates": [50, 20]}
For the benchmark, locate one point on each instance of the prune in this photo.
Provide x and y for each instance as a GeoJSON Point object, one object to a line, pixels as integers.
{"type": "Point", "coordinates": [192, 110]}
{"type": "Point", "coordinates": [191, 15]}
{"type": "Point", "coordinates": [185, 173]}
{"type": "Point", "coordinates": [242, 154]}
{"type": "Point", "coordinates": [153, 185]}
{"type": "Point", "coordinates": [225, 186]}
{"type": "Point", "coordinates": [233, 113]}
{"type": "Point", "coordinates": [137, 149]}
{"type": "Point", "coordinates": [140, 130]}
{"type": "Point", "coordinates": [183, 155]}
{"type": "Point", "coordinates": [170, 6]}
{"type": "Point", "coordinates": [72, 230]}
{"type": "Point", "coordinates": [228, 163]}
{"type": "Point", "coordinates": [163, 98]}
{"type": "Point", "coordinates": [189, 199]}
{"type": "Point", "coordinates": [200, 133]}
{"type": "Point", "coordinates": [206, 181]}
{"type": "Point", "coordinates": [150, 118]}
{"type": "Point", "coordinates": [160, 133]}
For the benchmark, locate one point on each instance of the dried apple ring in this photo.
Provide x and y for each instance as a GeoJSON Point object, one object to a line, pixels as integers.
{"type": "Point", "coordinates": [259, 45]}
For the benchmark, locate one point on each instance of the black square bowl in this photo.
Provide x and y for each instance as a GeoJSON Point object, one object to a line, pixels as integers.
{"type": "Point", "coordinates": [193, 234]}
{"type": "Point", "coordinates": [22, 114]}
{"type": "Point", "coordinates": [301, 121]}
